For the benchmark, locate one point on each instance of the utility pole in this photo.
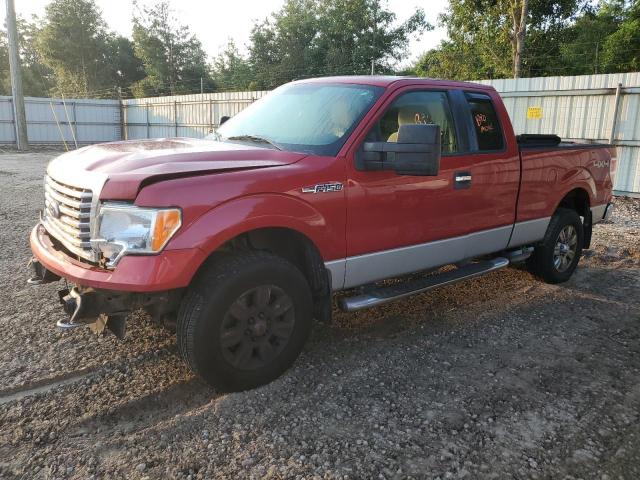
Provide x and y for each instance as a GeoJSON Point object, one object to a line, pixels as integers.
{"type": "Point", "coordinates": [16, 79]}
{"type": "Point", "coordinates": [201, 86]}
{"type": "Point", "coordinates": [373, 39]}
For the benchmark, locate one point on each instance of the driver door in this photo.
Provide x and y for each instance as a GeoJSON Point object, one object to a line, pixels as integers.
{"type": "Point", "coordinates": [398, 224]}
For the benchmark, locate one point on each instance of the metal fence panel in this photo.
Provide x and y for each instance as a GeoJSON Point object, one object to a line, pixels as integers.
{"type": "Point", "coordinates": [182, 115]}
{"type": "Point", "coordinates": [52, 120]}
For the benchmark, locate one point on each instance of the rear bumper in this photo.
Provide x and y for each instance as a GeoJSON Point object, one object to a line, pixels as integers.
{"type": "Point", "coordinates": [168, 270]}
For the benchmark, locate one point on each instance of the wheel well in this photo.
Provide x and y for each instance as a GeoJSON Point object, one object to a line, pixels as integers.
{"type": "Point", "coordinates": [296, 248]}
{"type": "Point", "coordinates": [578, 200]}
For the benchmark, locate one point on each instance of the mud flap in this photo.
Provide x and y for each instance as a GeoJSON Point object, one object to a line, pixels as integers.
{"type": "Point", "coordinates": [587, 228]}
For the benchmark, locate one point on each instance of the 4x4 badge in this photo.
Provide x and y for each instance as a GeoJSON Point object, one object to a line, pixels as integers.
{"type": "Point", "coordinates": [323, 188]}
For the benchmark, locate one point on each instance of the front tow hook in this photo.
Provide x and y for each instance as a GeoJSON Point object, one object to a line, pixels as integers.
{"type": "Point", "coordinates": [72, 305]}
{"type": "Point", "coordinates": [87, 307]}
{"type": "Point", "coordinates": [39, 274]}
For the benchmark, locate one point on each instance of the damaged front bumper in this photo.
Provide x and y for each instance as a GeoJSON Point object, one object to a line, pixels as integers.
{"type": "Point", "coordinates": [105, 308]}
{"type": "Point", "coordinates": [154, 283]}
{"type": "Point", "coordinates": [97, 308]}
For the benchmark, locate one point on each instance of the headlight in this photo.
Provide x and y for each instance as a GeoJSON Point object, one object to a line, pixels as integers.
{"type": "Point", "coordinates": [124, 229]}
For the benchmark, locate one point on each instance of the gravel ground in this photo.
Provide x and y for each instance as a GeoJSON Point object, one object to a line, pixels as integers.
{"type": "Point", "coordinates": [499, 377]}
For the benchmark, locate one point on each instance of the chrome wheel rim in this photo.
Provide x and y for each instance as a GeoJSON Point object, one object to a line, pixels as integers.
{"type": "Point", "coordinates": [257, 327]}
{"type": "Point", "coordinates": [565, 249]}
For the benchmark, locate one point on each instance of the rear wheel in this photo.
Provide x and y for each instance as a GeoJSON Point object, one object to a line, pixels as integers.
{"type": "Point", "coordinates": [556, 258]}
{"type": "Point", "coordinates": [245, 319]}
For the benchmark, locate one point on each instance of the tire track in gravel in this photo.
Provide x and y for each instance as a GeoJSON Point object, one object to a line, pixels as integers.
{"type": "Point", "coordinates": [44, 385]}
{"type": "Point", "coordinates": [103, 397]}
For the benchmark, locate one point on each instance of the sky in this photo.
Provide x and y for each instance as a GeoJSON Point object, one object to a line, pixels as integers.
{"type": "Point", "coordinates": [214, 22]}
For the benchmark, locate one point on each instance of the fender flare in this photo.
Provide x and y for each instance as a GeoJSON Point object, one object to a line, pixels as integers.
{"type": "Point", "coordinates": [576, 179]}
{"type": "Point", "coordinates": [240, 215]}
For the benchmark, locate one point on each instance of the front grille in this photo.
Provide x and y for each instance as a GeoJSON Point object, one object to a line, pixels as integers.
{"type": "Point", "coordinates": [67, 216]}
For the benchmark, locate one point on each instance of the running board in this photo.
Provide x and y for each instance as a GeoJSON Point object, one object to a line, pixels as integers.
{"type": "Point", "coordinates": [382, 295]}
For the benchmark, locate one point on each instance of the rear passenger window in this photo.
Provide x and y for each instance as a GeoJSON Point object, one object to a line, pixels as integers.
{"type": "Point", "coordinates": [485, 122]}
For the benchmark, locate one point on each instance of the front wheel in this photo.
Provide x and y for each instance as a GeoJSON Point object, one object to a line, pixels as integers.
{"type": "Point", "coordinates": [244, 320]}
{"type": "Point", "coordinates": [556, 258]}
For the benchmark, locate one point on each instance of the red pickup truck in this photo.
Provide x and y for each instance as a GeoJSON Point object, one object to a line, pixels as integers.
{"type": "Point", "coordinates": [330, 184]}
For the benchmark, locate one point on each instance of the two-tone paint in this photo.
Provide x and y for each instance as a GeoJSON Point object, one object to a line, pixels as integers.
{"type": "Point", "coordinates": [377, 225]}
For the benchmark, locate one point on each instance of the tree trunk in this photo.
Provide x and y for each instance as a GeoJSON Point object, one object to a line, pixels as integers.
{"type": "Point", "coordinates": [519, 12]}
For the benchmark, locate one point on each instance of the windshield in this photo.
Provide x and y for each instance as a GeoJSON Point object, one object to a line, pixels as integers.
{"type": "Point", "coordinates": [313, 118]}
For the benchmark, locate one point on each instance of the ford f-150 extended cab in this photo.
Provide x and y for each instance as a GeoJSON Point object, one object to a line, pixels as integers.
{"type": "Point", "coordinates": [324, 185]}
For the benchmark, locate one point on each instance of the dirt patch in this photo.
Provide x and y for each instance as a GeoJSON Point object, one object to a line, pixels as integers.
{"type": "Point", "coordinates": [499, 377]}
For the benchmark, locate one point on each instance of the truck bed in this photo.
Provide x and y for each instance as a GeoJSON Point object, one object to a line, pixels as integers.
{"type": "Point", "coordinates": [550, 167]}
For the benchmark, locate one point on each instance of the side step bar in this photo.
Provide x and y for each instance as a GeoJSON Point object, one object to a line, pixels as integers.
{"type": "Point", "coordinates": [382, 295]}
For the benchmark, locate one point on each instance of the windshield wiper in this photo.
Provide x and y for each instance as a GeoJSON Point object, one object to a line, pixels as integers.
{"type": "Point", "coordinates": [254, 138]}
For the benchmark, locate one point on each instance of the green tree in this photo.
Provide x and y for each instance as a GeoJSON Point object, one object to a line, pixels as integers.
{"type": "Point", "coordinates": [5, 85]}
{"type": "Point", "coordinates": [581, 48]}
{"type": "Point", "coordinates": [173, 58]}
{"type": "Point", "coordinates": [320, 37]}
{"type": "Point", "coordinates": [284, 46]}
{"type": "Point", "coordinates": [37, 78]}
{"type": "Point", "coordinates": [231, 71]}
{"type": "Point", "coordinates": [621, 49]}
{"type": "Point", "coordinates": [498, 38]}
{"type": "Point", "coordinates": [73, 43]}
{"type": "Point", "coordinates": [127, 68]}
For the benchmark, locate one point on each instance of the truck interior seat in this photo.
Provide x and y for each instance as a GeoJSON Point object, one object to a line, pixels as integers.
{"type": "Point", "coordinates": [409, 116]}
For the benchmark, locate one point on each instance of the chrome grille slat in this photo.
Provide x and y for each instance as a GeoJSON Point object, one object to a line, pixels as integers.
{"type": "Point", "coordinates": [71, 231]}
{"type": "Point", "coordinates": [64, 199]}
{"type": "Point", "coordinates": [71, 223]}
{"type": "Point", "coordinates": [63, 236]}
{"type": "Point", "coordinates": [69, 191]}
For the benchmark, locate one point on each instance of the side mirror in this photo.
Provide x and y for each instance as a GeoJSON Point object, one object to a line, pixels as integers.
{"type": "Point", "coordinates": [224, 119]}
{"type": "Point", "coordinates": [417, 152]}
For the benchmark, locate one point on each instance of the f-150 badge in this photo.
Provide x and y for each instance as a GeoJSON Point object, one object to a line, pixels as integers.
{"type": "Point", "coordinates": [323, 188]}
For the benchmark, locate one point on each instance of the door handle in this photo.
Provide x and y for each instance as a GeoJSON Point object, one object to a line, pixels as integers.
{"type": "Point", "coordinates": [462, 180]}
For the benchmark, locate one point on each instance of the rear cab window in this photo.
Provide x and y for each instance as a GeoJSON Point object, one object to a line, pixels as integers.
{"type": "Point", "coordinates": [485, 122]}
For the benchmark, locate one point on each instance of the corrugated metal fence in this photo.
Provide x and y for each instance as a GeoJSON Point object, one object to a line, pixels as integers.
{"type": "Point", "coordinates": [592, 108]}
{"type": "Point", "coordinates": [182, 115]}
{"type": "Point", "coordinates": [50, 119]}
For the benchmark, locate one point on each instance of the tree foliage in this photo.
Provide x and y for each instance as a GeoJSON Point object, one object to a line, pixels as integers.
{"type": "Point", "coordinates": [37, 78]}
{"type": "Point", "coordinates": [173, 58]}
{"type": "Point", "coordinates": [621, 49]}
{"type": "Point", "coordinates": [231, 70]}
{"type": "Point", "coordinates": [563, 37]}
{"type": "Point", "coordinates": [327, 37]}
{"type": "Point", "coordinates": [70, 50]}
{"type": "Point", "coordinates": [483, 36]}
{"type": "Point", "coordinates": [73, 43]}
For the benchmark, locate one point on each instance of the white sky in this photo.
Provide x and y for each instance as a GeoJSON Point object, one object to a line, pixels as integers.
{"type": "Point", "coordinates": [215, 21]}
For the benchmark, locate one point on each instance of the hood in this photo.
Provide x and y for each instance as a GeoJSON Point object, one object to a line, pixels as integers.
{"type": "Point", "coordinates": [122, 168]}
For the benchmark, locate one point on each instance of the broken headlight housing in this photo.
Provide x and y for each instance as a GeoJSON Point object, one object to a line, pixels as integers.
{"type": "Point", "coordinates": [124, 229]}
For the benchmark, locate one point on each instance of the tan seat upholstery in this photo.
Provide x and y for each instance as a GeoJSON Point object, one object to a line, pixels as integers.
{"type": "Point", "coordinates": [409, 116]}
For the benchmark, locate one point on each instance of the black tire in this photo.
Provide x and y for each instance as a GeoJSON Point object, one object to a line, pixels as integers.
{"type": "Point", "coordinates": [238, 280]}
{"type": "Point", "coordinates": [545, 262]}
